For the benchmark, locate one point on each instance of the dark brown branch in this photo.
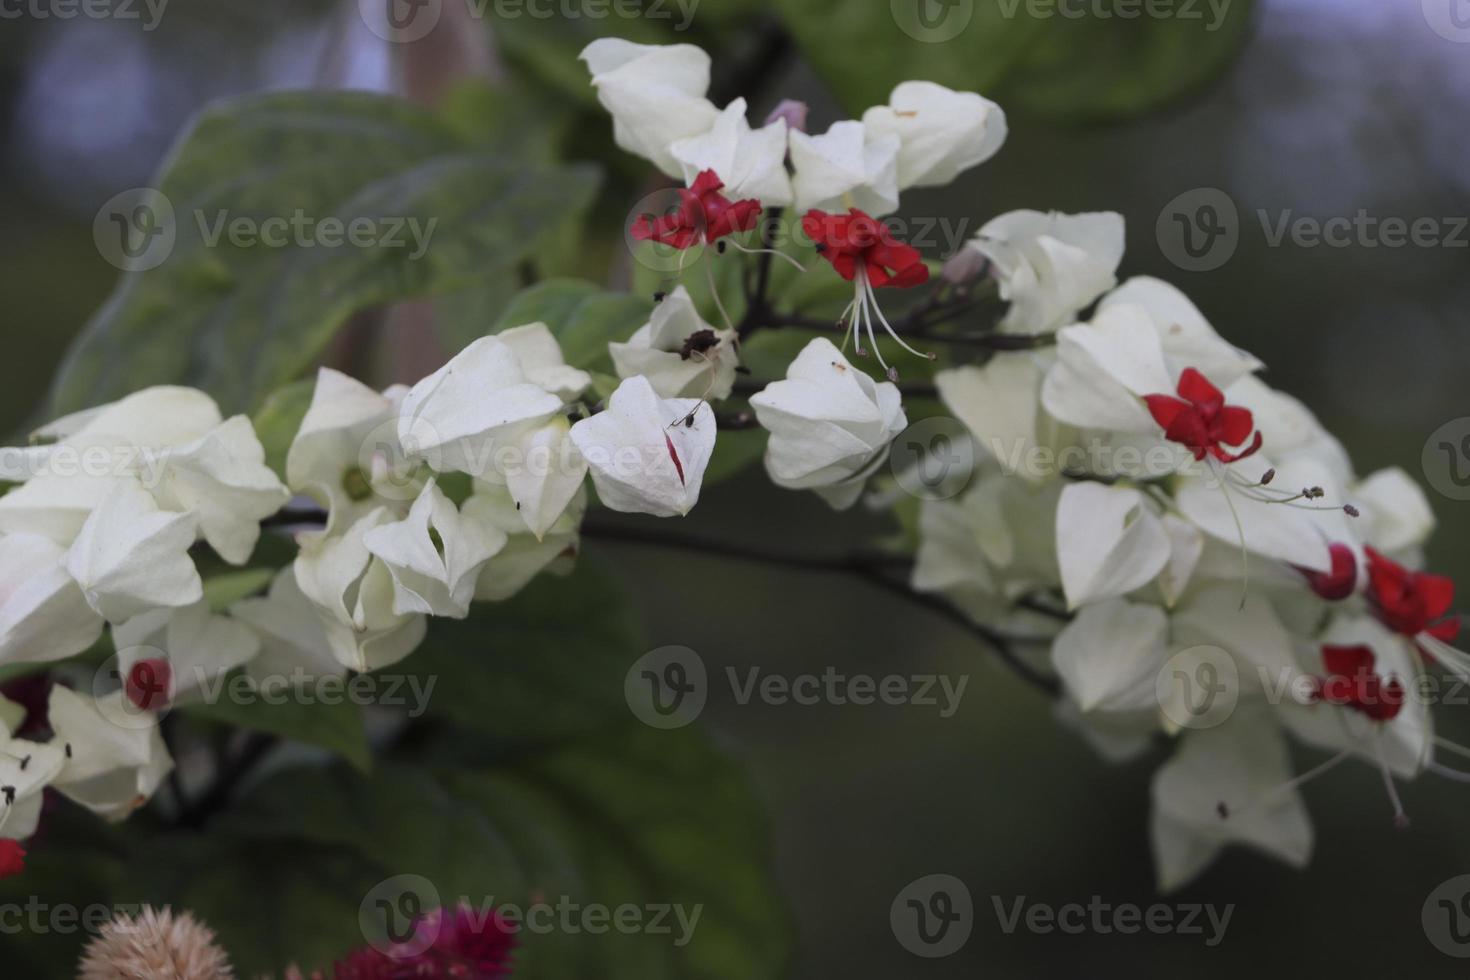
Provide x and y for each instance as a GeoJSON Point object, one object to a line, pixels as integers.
{"type": "Point", "coordinates": [870, 567]}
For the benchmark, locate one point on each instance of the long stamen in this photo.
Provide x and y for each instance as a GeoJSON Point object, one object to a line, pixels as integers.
{"type": "Point", "coordinates": [1245, 555]}
{"type": "Point", "coordinates": [884, 320]}
{"type": "Point", "coordinates": [765, 251]}
{"type": "Point", "coordinates": [709, 274]}
{"type": "Point", "coordinates": [857, 318]}
{"type": "Point", "coordinates": [1457, 661]}
{"type": "Point", "coordinates": [869, 308]}
{"type": "Point", "coordinates": [1451, 774]}
{"type": "Point", "coordinates": [1400, 818]}
{"type": "Point", "coordinates": [1289, 785]}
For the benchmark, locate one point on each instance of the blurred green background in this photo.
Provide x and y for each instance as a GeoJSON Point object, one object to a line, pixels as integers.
{"type": "Point", "coordinates": [1320, 107]}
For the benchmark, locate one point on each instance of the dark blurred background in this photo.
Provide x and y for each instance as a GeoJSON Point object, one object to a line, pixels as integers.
{"type": "Point", "coordinates": [1331, 106]}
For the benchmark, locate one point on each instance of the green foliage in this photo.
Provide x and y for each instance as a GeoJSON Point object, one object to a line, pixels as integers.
{"type": "Point", "coordinates": [240, 319]}
{"type": "Point", "coordinates": [279, 419]}
{"type": "Point", "coordinates": [335, 724]}
{"type": "Point", "coordinates": [1064, 67]}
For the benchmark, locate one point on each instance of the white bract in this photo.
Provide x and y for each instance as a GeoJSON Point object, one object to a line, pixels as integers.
{"type": "Point", "coordinates": [647, 454]}
{"type": "Point", "coordinates": [830, 424]}
{"type": "Point", "coordinates": [1051, 266]}
{"type": "Point", "coordinates": [662, 351]}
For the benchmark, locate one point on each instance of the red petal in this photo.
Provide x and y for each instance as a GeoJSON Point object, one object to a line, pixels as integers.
{"type": "Point", "coordinates": [1445, 631]}
{"type": "Point", "coordinates": [707, 182]}
{"type": "Point", "coordinates": [1344, 661]}
{"type": "Point", "coordinates": [674, 455]}
{"type": "Point", "coordinates": [12, 858]}
{"type": "Point", "coordinates": [1165, 408]}
{"type": "Point", "coordinates": [1438, 593]}
{"type": "Point", "coordinates": [1250, 450]}
{"type": "Point", "coordinates": [1194, 387]}
{"type": "Point", "coordinates": [1235, 425]}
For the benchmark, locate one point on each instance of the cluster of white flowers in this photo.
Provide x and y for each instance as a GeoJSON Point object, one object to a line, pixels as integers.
{"type": "Point", "coordinates": [1159, 513]}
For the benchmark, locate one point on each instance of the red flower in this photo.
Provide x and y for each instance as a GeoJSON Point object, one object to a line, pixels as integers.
{"type": "Point", "coordinates": [12, 858]}
{"type": "Point", "coordinates": [704, 215]}
{"type": "Point", "coordinates": [1341, 580]}
{"type": "Point", "coordinates": [1200, 419]}
{"type": "Point", "coordinates": [460, 943]}
{"type": "Point", "coordinates": [1351, 683]}
{"type": "Point", "coordinates": [1411, 602]}
{"type": "Point", "coordinates": [855, 241]}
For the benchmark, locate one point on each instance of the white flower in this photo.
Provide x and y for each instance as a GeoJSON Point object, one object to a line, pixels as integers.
{"type": "Point", "coordinates": [1110, 541]}
{"type": "Point", "coordinates": [457, 418]}
{"type": "Point", "coordinates": [655, 93]}
{"type": "Point", "coordinates": [830, 424]}
{"type": "Point", "coordinates": [1187, 338]}
{"type": "Point", "coordinates": [1110, 654]}
{"type": "Point", "coordinates": [291, 631]}
{"type": "Point", "coordinates": [26, 768]}
{"type": "Point", "coordinates": [661, 352]}
{"type": "Point", "coordinates": [647, 454]}
{"type": "Point", "coordinates": [434, 555]}
{"type": "Point", "coordinates": [847, 166]}
{"type": "Point", "coordinates": [1051, 265]}
{"type": "Point", "coordinates": [200, 646]}
{"type": "Point", "coordinates": [941, 132]}
{"type": "Point", "coordinates": [543, 475]}
{"type": "Point", "coordinates": [43, 614]}
{"type": "Point", "coordinates": [115, 755]}
{"type": "Point", "coordinates": [355, 594]}
{"type": "Point", "coordinates": [223, 479]}
{"type": "Point", "coordinates": [525, 555]}
{"type": "Point", "coordinates": [347, 450]}
{"type": "Point", "coordinates": [1404, 743]}
{"type": "Point", "coordinates": [63, 482]}
{"type": "Point", "coordinates": [997, 540]}
{"type": "Point", "coordinates": [750, 162]}
{"type": "Point", "coordinates": [1242, 765]}
{"type": "Point", "coordinates": [1104, 369]}
{"type": "Point", "coordinates": [1000, 404]}
{"type": "Point", "coordinates": [541, 359]}
{"type": "Point", "coordinates": [131, 556]}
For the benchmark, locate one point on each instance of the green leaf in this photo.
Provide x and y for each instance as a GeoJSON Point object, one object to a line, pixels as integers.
{"type": "Point", "coordinates": [279, 419]}
{"type": "Point", "coordinates": [1027, 56]}
{"type": "Point", "coordinates": [334, 724]}
{"type": "Point", "coordinates": [625, 817]}
{"type": "Point", "coordinates": [227, 588]}
{"type": "Point", "coordinates": [524, 670]}
{"type": "Point", "coordinates": [239, 318]}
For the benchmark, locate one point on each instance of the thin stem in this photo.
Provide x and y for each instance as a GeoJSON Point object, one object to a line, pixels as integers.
{"type": "Point", "coordinates": [257, 747]}
{"type": "Point", "coordinates": [869, 567]}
